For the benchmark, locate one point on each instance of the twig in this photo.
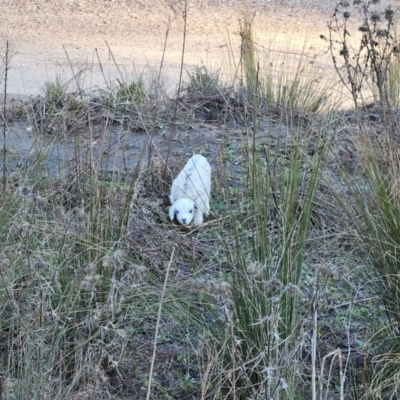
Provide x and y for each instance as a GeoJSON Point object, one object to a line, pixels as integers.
{"type": "Point", "coordinates": [101, 68]}
{"type": "Point", "coordinates": [6, 67]}
{"type": "Point", "coordinates": [164, 51]}
{"type": "Point", "coordinates": [185, 11]}
{"type": "Point", "coordinates": [158, 324]}
{"type": "Point", "coordinates": [74, 75]}
{"type": "Point", "coordinates": [314, 346]}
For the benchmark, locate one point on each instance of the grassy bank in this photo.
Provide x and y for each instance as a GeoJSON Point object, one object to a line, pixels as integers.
{"type": "Point", "coordinates": [289, 290]}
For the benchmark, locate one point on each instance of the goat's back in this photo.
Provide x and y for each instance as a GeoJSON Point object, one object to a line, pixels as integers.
{"type": "Point", "coordinates": [193, 181]}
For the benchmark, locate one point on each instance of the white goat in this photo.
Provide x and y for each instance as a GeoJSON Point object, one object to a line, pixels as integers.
{"type": "Point", "coordinates": [190, 192]}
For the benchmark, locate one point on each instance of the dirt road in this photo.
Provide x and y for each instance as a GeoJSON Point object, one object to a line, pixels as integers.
{"type": "Point", "coordinates": [66, 37]}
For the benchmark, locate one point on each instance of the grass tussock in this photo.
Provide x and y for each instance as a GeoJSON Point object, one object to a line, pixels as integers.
{"type": "Point", "coordinates": [374, 213]}
{"type": "Point", "coordinates": [267, 258]}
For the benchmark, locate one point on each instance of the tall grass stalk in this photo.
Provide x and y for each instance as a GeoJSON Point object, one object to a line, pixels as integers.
{"type": "Point", "coordinates": [393, 84]}
{"type": "Point", "coordinates": [247, 52]}
{"type": "Point", "coordinates": [158, 325]}
{"type": "Point", "coordinates": [6, 67]}
{"type": "Point", "coordinates": [180, 82]}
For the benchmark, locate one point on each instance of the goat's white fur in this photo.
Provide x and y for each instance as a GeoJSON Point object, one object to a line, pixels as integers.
{"type": "Point", "coordinates": [190, 192]}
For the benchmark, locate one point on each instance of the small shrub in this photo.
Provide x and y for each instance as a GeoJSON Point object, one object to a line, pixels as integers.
{"type": "Point", "coordinates": [202, 81]}
{"type": "Point", "coordinates": [133, 92]}
{"type": "Point", "coordinates": [369, 56]}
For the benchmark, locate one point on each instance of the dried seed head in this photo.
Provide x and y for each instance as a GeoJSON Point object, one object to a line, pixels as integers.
{"type": "Point", "coordinates": [4, 262]}
{"type": "Point", "coordinates": [212, 288]}
{"type": "Point", "coordinates": [25, 191]}
{"type": "Point", "coordinates": [96, 279]}
{"type": "Point", "coordinates": [254, 268]}
{"type": "Point", "coordinates": [363, 28]}
{"type": "Point", "coordinates": [325, 271]}
{"type": "Point", "coordinates": [237, 341]}
{"type": "Point", "coordinates": [118, 254]}
{"type": "Point", "coordinates": [389, 14]}
{"type": "Point", "coordinates": [344, 52]}
{"type": "Point", "coordinates": [292, 290]}
{"type": "Point", "coordinates": [8, 250]}
{"type": "Point", "coordinates": [40, 200]}
{"type": "Point", "coordinates": [141, 269]}
{"type": "Point", "coordinates": [375, 17]}
{"type": "Point", "coordinates": [346, 15]}
{"type": "Point", "coordinates": [91, 281]}
{"type": "Point", "coordinates": [59, 211]}
{"type": "Point", "coordinates": [138, 271]}
{"type": "Point", "coordinates": [382, 33]}
{"type": "Point", "coordinates": [200, 283]}
{"type": "Point", "coordinates": [274, 285]}
{"type": "Point", "coordinates": [15, 177]}
{"type": "Point", "coordinates": [87, 284]}
{"type": "Point", "coordinates": [80, 214]}
{"type": "Point", "coordinates": [107, 262]}
{"type": "Point", "coordinates": [120, 286]}
{"type": "Point", "coordinates": [224, 287]}
{"type": "Point", "coordinates": [90, 268]}
{"type": "Point", "coordinates": [91, 322]}
{"type": "Point", "coordinates": [48, 230]}
{"type": "Point", "coordinates": [341, 271]}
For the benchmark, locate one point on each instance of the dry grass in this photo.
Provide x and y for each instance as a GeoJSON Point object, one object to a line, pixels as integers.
{"type": "Point", "coordinates": [270, 298]}
{"type": "Point", "coordinates": [87, 281]}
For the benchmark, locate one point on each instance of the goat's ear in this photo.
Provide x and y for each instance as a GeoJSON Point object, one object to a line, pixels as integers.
{"type": "Point", "coordinates": [172, 212]}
